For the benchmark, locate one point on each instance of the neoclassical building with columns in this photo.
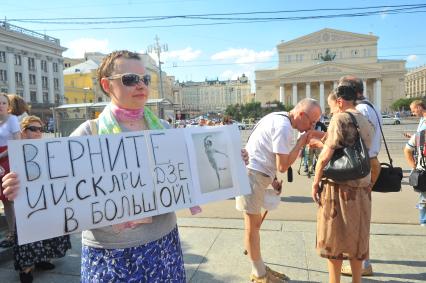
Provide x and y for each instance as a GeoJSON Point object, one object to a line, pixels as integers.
{"type": "Point", "coordinates": [310, 66]}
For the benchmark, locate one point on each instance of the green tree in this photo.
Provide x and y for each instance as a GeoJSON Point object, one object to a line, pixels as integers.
{"type": "Point", "coordinates": [403, 104]}
{"type": "Point", "coordinates": [254, 110]}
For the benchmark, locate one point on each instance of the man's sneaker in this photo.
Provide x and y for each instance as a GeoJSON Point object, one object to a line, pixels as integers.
{"type": "Point", "coordinates": [271, 276]}
{"type": "Point", "coordinates": [368, 271]}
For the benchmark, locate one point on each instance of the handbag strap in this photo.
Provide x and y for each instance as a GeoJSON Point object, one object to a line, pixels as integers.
{"type": "Point", "coordinates": [421, 143]}
{"type": "Point", "coordinates": [380, 126]}
{"type": "Point", "coordinates": [355, 122]}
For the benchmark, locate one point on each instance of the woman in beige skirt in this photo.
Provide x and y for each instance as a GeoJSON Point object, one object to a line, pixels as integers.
{"type": "Point", "coordinates": [344, 208]}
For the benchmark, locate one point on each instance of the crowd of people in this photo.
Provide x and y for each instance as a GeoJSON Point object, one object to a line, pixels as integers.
{"type": "Point", "coordinates": [149, 250]}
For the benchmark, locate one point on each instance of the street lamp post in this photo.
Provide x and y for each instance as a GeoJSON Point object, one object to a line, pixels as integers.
{"type": "Point", "coordinates": [86, 90]}
{"type": "Point", "coordinates": [157, 48]}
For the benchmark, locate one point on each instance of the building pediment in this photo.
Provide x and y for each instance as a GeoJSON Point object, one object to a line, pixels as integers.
{"type": "Point", "coordinates": [327, 37]}
{"type": "Point", "coordinates": [330, 68]}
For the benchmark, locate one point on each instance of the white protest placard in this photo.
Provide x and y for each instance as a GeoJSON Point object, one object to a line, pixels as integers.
{"type": "Point", "coordinates": [79, 183]}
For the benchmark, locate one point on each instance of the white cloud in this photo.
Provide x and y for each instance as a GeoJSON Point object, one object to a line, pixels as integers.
{"type": "Point", "coordinates": [76, 48]}
{"type": "Point", "coordinates": [243, 55]}
{"type": "Point", "coordinates": [187, 54]}
{"type": "Point", "coordinates": [412, 58]}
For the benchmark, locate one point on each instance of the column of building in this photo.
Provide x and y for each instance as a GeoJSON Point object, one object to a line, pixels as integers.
{"type": "Point", "coordinates": [377, 99]}
{"type": "Point", "coordinates": [38, 79]}
{"type": "Point", "coordinates": [50, 84]}
{"type": "Point", "coordinates": [26, 78]}
{"type": "Point", "coordinates": [61, 81]}
{"type": "Point", "coordinates": [11, 86]}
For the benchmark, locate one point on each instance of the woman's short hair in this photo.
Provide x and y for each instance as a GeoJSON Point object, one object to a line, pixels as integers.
{"type": "Point", "coordinates": [30, 119]}
{"type": "Point", "coordinates": [18, 106]}
{"type": "Point", "coordinates": [106, 67]}
{"type": "Point", "coordinates": [346, 91]}
{"type": "Point", "coordinates": [418, 102]}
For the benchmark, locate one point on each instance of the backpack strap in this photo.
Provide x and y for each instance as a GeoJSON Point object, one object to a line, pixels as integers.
{"type": "Point", "coordinates": [421, 146]}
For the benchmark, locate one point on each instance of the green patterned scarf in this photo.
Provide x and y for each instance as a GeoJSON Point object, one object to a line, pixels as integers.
{"type": "Point", "coordinates": [109, 125]}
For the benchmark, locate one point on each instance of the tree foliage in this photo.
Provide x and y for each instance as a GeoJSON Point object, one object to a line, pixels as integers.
{"type": "Point", "coordinates": [403, 104]}
{"type": "Point", "coordinates": [254, 110]}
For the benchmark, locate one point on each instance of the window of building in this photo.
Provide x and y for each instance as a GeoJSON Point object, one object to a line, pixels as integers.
{"type": "Point", "coordinates": [31, 64]}
{"type": "Point", "coordinates": [20, 93]}
{"type": "Point", "coordinates": [55, 67]}
{"type": "Point", "coordinates": [3, 89]}
{"type": "Point", "coordinates": [45, 97]}
{"type": "Point", "coordinates": [3, 75]}
{"type": "Point", "coordinates": [18, 60]}
{"type": "Point", "coordinates": [44, 65]}
{"type": "Point", "coordinates": [32, 79]}
{"type": "Point", "coordinates": [56, 83]}
{"type": "Point", "coordinates": [44, 82]}
{"type": "Point", "coordinates": [57, 98]}
{"type": "Point", "coordinates": [33, 96]}
{"type": "Point", "coordinates": [2, 56]}
{"type": "Point", "coordinates": [367, 53]}
{"type": "Point", "coordinates": [18, 78]}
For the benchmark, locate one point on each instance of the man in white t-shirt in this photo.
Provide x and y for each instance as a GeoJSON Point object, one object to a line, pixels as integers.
{"type": "Point", "coordinates": [270, 148]}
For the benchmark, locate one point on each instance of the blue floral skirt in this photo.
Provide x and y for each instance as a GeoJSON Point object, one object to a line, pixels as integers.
{"type": "Point", "coordinates": [157, 261]}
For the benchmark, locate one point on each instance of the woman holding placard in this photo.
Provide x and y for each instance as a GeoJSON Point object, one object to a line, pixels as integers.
{"type": "Point", "coordinates": [135, 251]}
{"type": "Point", "coordinates": [37, 254]}
{"type": "Point", "coordinates": [9, 129]}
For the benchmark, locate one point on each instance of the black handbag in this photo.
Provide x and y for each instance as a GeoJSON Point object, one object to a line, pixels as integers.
{"type": "Point", "coordinates": [418, 180]}
{"type": "Point", "coordinates": [351, 162]}
{"type": "Point", "coordinates": [390, 177]}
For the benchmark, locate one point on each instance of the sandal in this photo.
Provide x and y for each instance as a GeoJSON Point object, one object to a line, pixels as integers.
{"type": "Point", "coordinates": [44, 265]}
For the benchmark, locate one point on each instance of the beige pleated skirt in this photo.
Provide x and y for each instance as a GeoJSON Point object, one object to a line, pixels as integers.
{"type": "Point", "coordinates": [343, 222]}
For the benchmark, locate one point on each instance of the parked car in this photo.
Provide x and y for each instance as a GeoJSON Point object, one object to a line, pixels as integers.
{"type": "Point", "coordinates": [389, 120]}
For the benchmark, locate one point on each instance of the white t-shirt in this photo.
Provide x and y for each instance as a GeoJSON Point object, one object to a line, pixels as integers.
{"type": "Point", "coordinates": [371, 116]}
{"type": "Point", "coordinates": [8, 128]}
{"type": "Point", "coordinates": [272, 135]}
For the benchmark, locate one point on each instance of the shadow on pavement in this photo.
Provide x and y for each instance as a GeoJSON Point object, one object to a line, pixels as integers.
{"type": "Point", "coordinates": [297, 199]}
{"type": "Point", "coordinates": [401, 262]}
{"type": "Point", "coordinates": [193, 258]}
{"type": "Point", "coordinates": [405, 277]}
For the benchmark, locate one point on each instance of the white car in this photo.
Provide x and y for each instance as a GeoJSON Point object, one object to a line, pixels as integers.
{"type": "Point", "coordinates": [389, 120]}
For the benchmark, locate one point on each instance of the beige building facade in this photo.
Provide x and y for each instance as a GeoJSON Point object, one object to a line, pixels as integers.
{"type": "Point", "coordinates": [212, 95]}
{"type": "Point", "coordinates": [310, 66]}
{"type": "Point", "coordinates": [31, 66]}
{"type": "Point", "coordinates": [415, 82]}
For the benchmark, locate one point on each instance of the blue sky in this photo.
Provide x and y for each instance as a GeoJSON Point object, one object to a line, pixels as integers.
{"type": "Point", "coordinates": [210, 51]}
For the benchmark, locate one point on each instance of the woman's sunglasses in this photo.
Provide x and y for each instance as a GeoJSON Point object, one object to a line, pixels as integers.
{"type": "Point", "coordinates": [130, 79]}
{"type": "Point", "coordinates": [34, 129]}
